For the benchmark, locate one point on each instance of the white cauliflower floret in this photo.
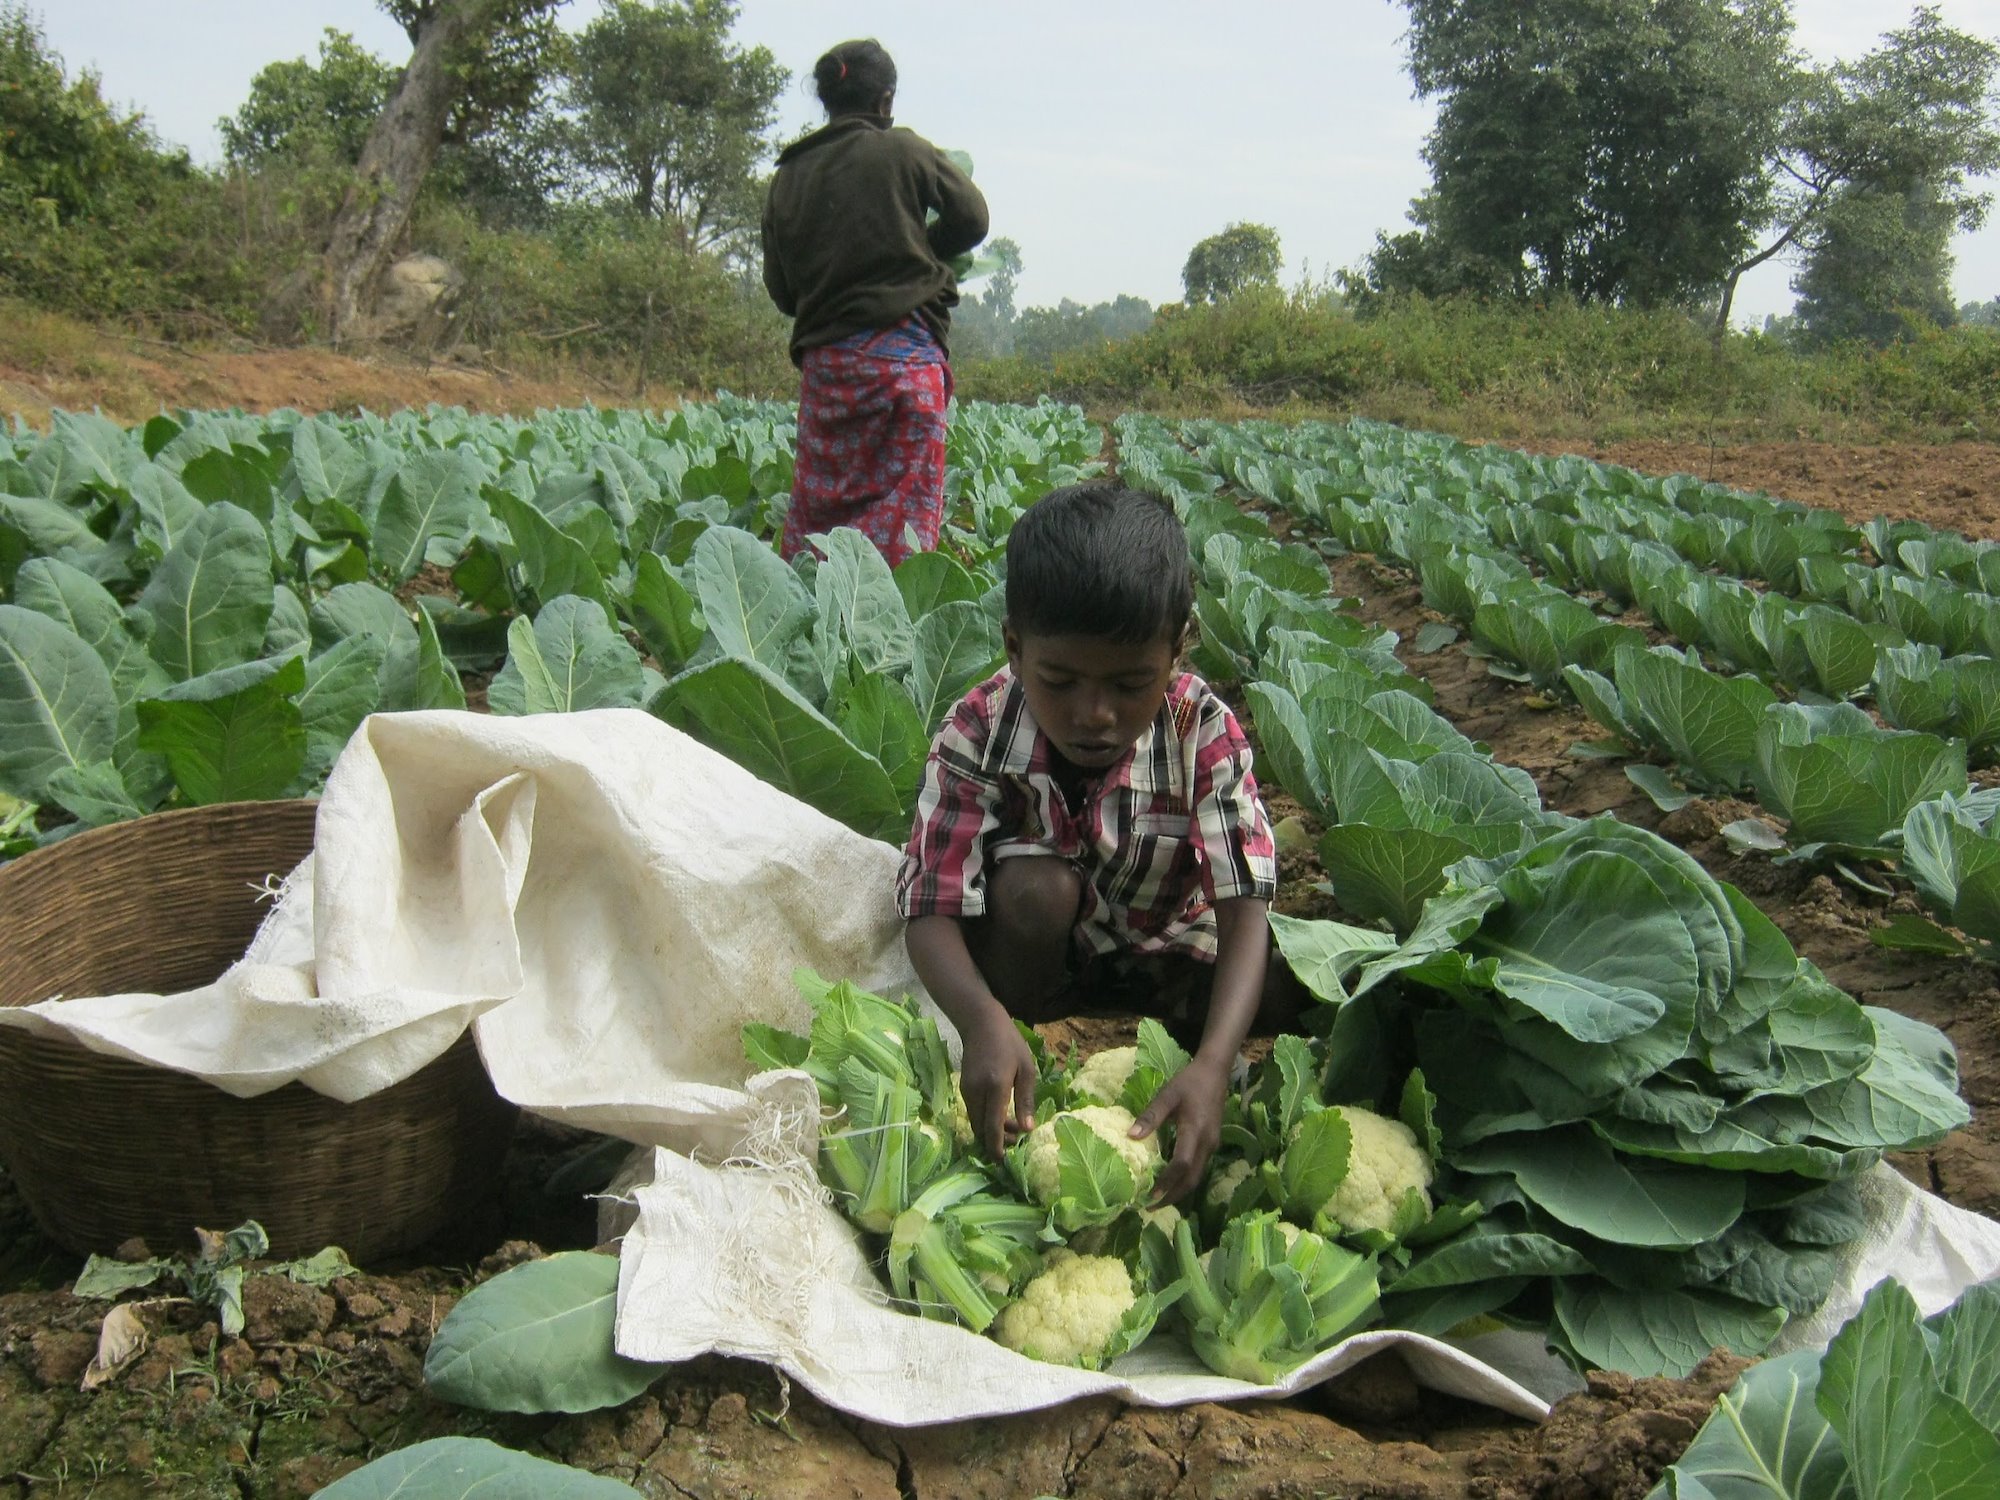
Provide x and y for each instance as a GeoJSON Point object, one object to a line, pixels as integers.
{"type": "Point", "coordinates": [1103, 1074]}
{"type": "Point", "coordinates": [1222, 1184]}
{"type": "Point", "coordinates": [1042, 1169]}
{"type": "Point", "coordinates": [1166, 1218]}
{"type": "Point", "coordinates": [1070, 1313]}
{"type": "Point", "coordinates": [1385, 1164]}
{"type": "Point", "coordinates": [961, 1118]}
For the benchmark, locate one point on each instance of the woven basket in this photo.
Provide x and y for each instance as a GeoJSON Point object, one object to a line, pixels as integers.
{"type": "Point", "coordinates": [103, 1149]}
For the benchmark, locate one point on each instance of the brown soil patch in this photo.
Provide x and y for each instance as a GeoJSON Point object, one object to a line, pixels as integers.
{"type": "Point", "coordinates": [132, 380]}
{"type": "Point", "coordinates": [1948, 485]}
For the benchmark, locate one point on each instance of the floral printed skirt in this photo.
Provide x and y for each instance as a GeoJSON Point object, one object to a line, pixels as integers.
{"type": "Point", "coordinates": [871, 451]}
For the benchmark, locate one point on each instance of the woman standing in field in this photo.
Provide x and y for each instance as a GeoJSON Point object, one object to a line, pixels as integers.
{"type": "Point", "coordinates": [849, 256]}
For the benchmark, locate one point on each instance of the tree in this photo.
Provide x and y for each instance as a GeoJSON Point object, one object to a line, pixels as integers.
{"type": "Point", "coordinates": [404, 142]}
{"type": "Point", "coordinates": [1041, 333]}
{"type": "Point", "coordinates": [1002, 280]}
{"type": "Point", "coordinates": [1911, 120]}
{"type": "Point", "coordinates": [1607, 150]}
{"type": "Point", "coordinates": [671, 114]}
{"type": "Point", "coordinates": [1980, 314]}
{"type": "Point", "coordinates": [1880, 267]}
{"type": "Point", "coordinates": [298, 107]}
{"type": "Point", "coordinates": [61, 144]}
{"type": "Point", "coordinates": [1242, 256]}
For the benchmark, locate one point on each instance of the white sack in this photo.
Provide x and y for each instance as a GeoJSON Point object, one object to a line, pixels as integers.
{"type": "Point", "coordinates": [609, 899]}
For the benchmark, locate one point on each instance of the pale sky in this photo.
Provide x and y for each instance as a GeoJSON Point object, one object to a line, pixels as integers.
{"type": "Point", "coordinates": [1108, 137]}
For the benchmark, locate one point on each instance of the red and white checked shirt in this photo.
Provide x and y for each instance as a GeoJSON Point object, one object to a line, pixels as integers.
{"type": "Point", "coordinates": [1169, 830]}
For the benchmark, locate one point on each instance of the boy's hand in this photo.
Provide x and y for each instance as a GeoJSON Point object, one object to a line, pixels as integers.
{"type": "Point", "coordinates": [997, 1076]}
{"type": "Point", "coordinates": [1193, 1100]}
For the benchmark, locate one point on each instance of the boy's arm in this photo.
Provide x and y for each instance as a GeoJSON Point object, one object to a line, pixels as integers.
{"type": "Point", "coordinates": [1193, 1098]}
{"type": "Point", "coordinates": [997, 1071]}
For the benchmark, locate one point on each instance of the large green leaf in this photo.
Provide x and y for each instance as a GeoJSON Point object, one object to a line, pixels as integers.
{"type": "Point", "coordinates": [364, 609]}
{"type": "Point", "coordinates": [435, 679]}
{"type": "Point", "coordinates": [1766, 1441]}
{"type": "Point", "coordinates": [665, 613]}
{"type": "Point", "coordinates": [463, 1468]}
{"type": "Point", "coordinates": [752, 603]}
{"type": "Point", "coordinates": [434, 494]}
{"type": "Point", "coordinates": [1906, 1097]}
{"type": "Point", "coordinates": [1837, 784]}
{"type": "Point", "coordinates": [928, 579]}
{"type": "Point", "coordinates": [1323, 954]}
{"type": "Point", "coordinates": [956, 646]}
{"type": "Point", "coordinates": [232, 735]}
{"type": "Point", "coordinates": [1594, 950]}
{"type": "Point", "coordinates": [1660, 1331]}
{"type": "Point", "coordinates": [1955, 865]}
{"type": "Point", "coordinates": [1387, 873]}
{"type": "Point", "coordinates": [1707, 723]}
{"type": "Point", "coordinates": [537, 1338]}
{"type": "Point", "coordinates": [745, 710]}
{"type": "Point", "coordinates": [862, 616]}
{"type": "Point", "coordinates": [343, 686]}
{"type": "Point", "coordinates": [555, 563]}
{"type": "Point", "coordinates": [566, 659]}
{"type": "Point", "coordinates": [1580, 1181]}
{"type": "Point", "coordinates": [210, 598]}
{"type": "Point", "coordinates": [876, 714]}
{"type": "Point", "coordinates": [58, 708]}
{"type": "Point", "coordinates": [1487, 1250]}
{"type": "Point", "coordinates": [1905, 1434]}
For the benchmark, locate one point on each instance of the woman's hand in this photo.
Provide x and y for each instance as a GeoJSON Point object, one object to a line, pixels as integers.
{"type": "Point", "coordinates": [1192, 1099]}
{"type": "Point", "coordinates": [997, 1076]}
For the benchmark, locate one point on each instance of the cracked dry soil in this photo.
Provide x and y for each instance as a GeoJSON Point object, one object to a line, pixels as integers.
{"type": "Point", "coordinates": [324, 1379]}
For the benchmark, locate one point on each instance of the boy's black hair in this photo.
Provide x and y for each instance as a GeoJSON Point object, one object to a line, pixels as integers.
{"type": "Point", "coordinates": [1100, 560]}
{"type": "Point", "coordinates": [853, 77]}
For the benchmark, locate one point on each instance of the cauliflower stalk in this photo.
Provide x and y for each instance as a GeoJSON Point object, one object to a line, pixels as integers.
{"type": "Point", "coordinates": [1084, 1166]}
{"type": "Point", "coordinates": [1349, 1171]}
{"type": "Point", "coordinates": [1080, 1310]}
{"type": "Point", "coordinates": [1270, 1296]}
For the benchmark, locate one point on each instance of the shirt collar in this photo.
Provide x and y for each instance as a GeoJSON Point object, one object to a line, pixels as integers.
{"type": "Point", "coordinates": [1019, 748]}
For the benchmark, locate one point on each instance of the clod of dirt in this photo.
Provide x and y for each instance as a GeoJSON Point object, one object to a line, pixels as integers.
{"type": "Point", "coordinates": [276, 1310]}
{"type": "Point", "coordinates": [1613, 1440]}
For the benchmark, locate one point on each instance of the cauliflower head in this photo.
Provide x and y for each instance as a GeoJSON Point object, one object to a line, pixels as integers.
{"type": "Point", "coordinates": [1222, 1184]}
{"type": "Point", "coordinates": [1103, 1075]}
{"type": "Point", "coordinates": [1386, 1163]}
{"type": "Point", "coordinates": [1071, 1312]}
{"type": "Point", "coordinates": [1042, 1169]}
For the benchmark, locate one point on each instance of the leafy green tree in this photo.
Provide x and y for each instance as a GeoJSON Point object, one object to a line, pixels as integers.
{"type": "Point", "coordinates": [504, 81]}
{"type": "Point", "coordinates": [1880, 267]}
{"type": "Point", "coordinates": [61, 144]}
{"type": "Point", "coordinates": [1242, 256]}
{"type": "Point", "coordinates": [301, 107]}
{"type": "Point", "coordinates": [982, 326]}
{"type": "Point", "coordinates": [1608, 150]}
{"type": "Point", "coordinates": [1002, 280]}
{"type": "Point", "coordinates": [1910, 122]}
{"type": "Point", "coordinates": [1980, 314]}
{"type": "Point", "coordinates": [1041, 333]}
{"type": "Point", "coordinates": [670, 114]}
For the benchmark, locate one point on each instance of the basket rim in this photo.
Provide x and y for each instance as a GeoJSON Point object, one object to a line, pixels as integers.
{"type": "Point", "coordinates": [110, 833]}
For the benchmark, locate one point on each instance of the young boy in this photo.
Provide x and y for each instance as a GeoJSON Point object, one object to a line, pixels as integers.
{"type": "Point", "coordinates": [1090, 799]}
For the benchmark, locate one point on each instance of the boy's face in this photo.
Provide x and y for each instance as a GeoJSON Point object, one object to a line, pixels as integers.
{"type": "Point", "coordinates": [1092, 697]}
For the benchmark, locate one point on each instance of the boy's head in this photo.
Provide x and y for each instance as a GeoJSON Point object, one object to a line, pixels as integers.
{"type": "Point", "coordinates": [1098, 596]}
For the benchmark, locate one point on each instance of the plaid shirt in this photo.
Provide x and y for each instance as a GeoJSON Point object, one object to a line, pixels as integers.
{"type": "Point", "coordinates": [1169, 830]}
